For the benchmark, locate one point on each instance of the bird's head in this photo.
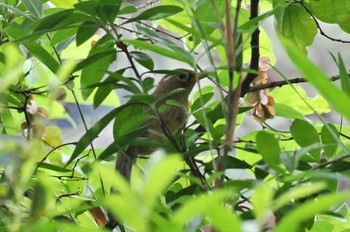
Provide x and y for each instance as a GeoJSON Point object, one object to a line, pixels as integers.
{"type": "Point", "coordinates": [179, 79]}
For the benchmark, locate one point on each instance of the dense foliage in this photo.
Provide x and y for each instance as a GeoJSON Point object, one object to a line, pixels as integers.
{"type": "Point", "coordinates": [61, 59]}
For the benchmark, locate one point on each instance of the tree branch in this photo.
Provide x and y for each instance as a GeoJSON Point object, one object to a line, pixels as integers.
{"type": "Point", "coordinates": [254, 44]}
{"type": "Point", "coordinates": [280, 84]}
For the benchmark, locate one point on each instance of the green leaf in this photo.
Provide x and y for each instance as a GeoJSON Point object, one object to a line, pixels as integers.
{"type": "Point", "coordinates": [96, 64]}
{"type": "Point", "coordinates": [328, 140]}
{"type": "Point", "coordinates": [15, 9]}
{"type": "Point", "coordinates": [109, 151]}
{"type": "Point", "coordinates": [230, 162]}
{"type": "Point", "coordinates": [291, 97]}
{"type": "Point", "coordinates": [261, 201]}
{"type": "Point", "coordinates": [210, 205]}
{"type": "Point", "coordinates": [89, 7]}
{"type": "Point", "coordinates": [269, 148]}
{"type": "Point", "coordinates": [86, 31]}
{"type": "Point", "coordinates": [285, 111]}
{"type": "Point", "coordinates": [92, 60]}
{"type": "Point", "coordinates": [94, 131]}
{"type": "Point", "coordinates": [295, 23]}
{"type": "Point", "coordinates": [127, 8]}
{"type": "Point", "coordinates": [344, 76]}
{"type": "Point", "coordinates": [294, 218]}
{"type": "Point", "coordinates": [54, 167]}
{"type": "Point", "coordinates": [296, 193]}
{"type": "Point", "coordinates": [52, 20]}
{"type": "Point", "coordinates": [34, 7]}
{"type": "Point", "coordinates": [34, 48]}
{"type": "Point", "coordinates": [107, 10]}
{"type": "Point", "coordinates": [130, 84]}
{"type": "Point", "coordinates": [158, 12]}
{"type": "Point", "coordinates": [201, 101]}
{"type": "Point", "coordinates": [143, 59]}
{"type": "Point", "coordinates": [159, 175]}
{"type": "Point", "coordinates": [305, 134]}
{"type": "Point", "coordinates": [64, 3]}
{"type": "Point", "coordinates": [332, 12]}
{"type": "Point", "coordinates": [63, 36]}
{"type": "Point", "coordinates": [103, 91]}
{"type": "Point", "coordinates": [318, 79]}
{"type": "Point", "coordinates": [145, 45]}
{"type": "Point", "coordinates": [134, 115]}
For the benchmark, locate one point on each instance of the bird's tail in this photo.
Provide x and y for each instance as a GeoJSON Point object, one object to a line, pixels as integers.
{"type": "Point", "coordinates": [123, 165]}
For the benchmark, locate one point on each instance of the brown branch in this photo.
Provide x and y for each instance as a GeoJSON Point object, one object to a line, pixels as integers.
{"type": "Point", "coordinates": [319, 27]}
{"type": "Point", "coordinates": [233, 95]}
{"type": "Point", "coordinates": [280, 84]}
{"type": "Point", "coordinates": [254, 44]}
{"type": "Point", "coordinates": [325, 164]}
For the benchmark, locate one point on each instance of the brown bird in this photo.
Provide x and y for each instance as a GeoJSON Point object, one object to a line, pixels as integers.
{"type": "Point", "coordinates": [168, 122]}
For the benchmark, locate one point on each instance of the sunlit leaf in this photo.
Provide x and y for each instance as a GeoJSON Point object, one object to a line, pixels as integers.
{"type": "Point", "coordinates": [295, 23]}
{"type": "Point", "coordinates": [268, 147]}
{"type": "Point", "coordinates": [305, 134]}
{"type": "Point", "coordinates": [318, 79]}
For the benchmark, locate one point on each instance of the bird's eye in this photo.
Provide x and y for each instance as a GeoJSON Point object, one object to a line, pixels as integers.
{"type": "Point", "coordinates": [183, 76]}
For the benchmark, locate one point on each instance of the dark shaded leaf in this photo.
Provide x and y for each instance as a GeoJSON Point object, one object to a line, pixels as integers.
{"type": "Point", "coordinates": [53, 20]}
{"type": "Point", "coordinates": [230, 162]}
{"type": "Point", "coordinates": [107, 10]}
{"type": "Point", "coordinates": [143, 59]}
{"type": "Point", "coordinates": [89, 7]}
{"type": "Point", "coordinates": [86, 31]}
{"type": "Point", "coordinates": [158, 12]}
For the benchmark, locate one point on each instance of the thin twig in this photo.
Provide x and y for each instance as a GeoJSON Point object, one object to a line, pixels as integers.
{"type": "Point", "coordinates": [122, 46]}
{"type": "Point", "coordinates": [83, 120]}
{"type": "Point", "coordinates": [26, 115]}
{"type": "Point", "coordinates": [49, 153]}
{"type": "Point", "coordinates": [325, 164]}
{"type": "Point", "coordinates": [77, 193]}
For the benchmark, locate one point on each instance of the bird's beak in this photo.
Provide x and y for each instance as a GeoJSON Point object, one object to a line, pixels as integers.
{"type": "Point", "coordinates": [203, 75]}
